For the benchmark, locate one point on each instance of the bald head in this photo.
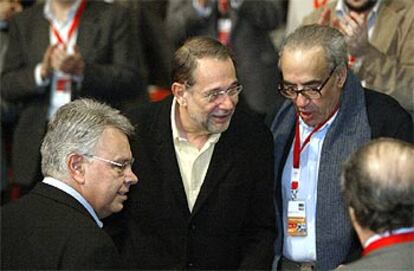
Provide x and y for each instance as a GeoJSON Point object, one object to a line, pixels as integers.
{"type": "Point", "coordinates": [378, 183]}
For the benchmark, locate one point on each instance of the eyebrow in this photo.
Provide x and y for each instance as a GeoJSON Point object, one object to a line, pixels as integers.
{"type": "Point", "coordinates": [219, 89]}
{"type": "Point", "coordinates": [312, 82]}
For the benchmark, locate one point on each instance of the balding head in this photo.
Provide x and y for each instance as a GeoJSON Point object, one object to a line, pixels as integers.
{"type": "Point", "coordinates": [378, 183]}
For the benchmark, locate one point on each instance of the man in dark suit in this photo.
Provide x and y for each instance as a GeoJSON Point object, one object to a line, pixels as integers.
{"type": "Point", "coordinates": [204, 200]}
{"type": "Point", "coordinates": [77, 48]}
{"type": "Point", "coordinates": [328, 115]}
{"type": "Point", "coordinates": [86, 161]}
{"type": "Point", "coordinates": [378, 186]}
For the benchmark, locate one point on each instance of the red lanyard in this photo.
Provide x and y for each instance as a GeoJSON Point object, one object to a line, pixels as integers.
{"type": "Point", "coordinates": [74, 26]}
{"type": "Point", "coordinates": [297, 149]}
{"type": "Point", "coordinates": [388, 241]}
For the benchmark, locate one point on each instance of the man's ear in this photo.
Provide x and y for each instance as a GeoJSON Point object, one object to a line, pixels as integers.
{"type": "Point", "coordinates": [179, 93]}
{"type": "Point", "coordinates": [76, 167]}
{"type": "Point", "coordinates": [342, 75]}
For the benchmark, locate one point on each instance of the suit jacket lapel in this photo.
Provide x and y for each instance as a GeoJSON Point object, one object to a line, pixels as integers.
{"type": "Point", "coordinates": [220, 164]}
{"type": "Point", "coordinates": [165, 157]}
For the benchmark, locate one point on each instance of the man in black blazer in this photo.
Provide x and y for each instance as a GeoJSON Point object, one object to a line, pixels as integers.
{"type": "Point", "coordinates": [204, 200]}
{"type": "Point", "coordinates": [98, 60]}
{"type": "Point", "coordinates": [86, 161]}
{"type": "Point", "coordinates": [378, 187]}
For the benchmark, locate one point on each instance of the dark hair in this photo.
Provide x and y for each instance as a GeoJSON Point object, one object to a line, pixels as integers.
{"type": "Point", "coordinates": [378, 183]}
{"type": "Point", "coordinates": [185, 58]}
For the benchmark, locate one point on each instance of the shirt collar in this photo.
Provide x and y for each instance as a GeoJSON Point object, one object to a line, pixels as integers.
{"type": "Point", "coordinates": [48, 13]}
{"type": "Point", "coordinates": [308, 128]}
{"type": "Point", "coordinates": [341, 9]}
{"type": "Point", "coordinates": [177, 136]}
{"type": "Point", "coordinates": [71, 191]}
{"type": "Point", "coordinates": [378, 236]}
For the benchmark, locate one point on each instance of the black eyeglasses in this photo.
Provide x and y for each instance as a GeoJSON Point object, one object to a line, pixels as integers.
{"type": "Point", "coordinates": [310, 92]}
{"type": "Point", "coordinates": [212, 96]}
{"type": "Point", "coordinates": [121, 167]}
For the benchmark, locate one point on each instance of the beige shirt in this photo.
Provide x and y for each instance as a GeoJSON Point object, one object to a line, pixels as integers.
{"type": "Point", "coordinates": [193, 163]}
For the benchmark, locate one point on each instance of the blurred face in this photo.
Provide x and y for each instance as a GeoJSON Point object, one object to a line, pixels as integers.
{"type": "Point", "coordinates": [360, 5]}
{"type": "Point", "coordinates": [202, 114]}
{"type": "Point", "coordinates": [106, 185]}
{"type": "Point", "coordinates": [308, 67]}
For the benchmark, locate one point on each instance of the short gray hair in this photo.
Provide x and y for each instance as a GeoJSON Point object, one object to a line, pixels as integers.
{"type": "Point", "coordinates": [313, 36]}
{"type": "Point", "coordinates": [76, 128]}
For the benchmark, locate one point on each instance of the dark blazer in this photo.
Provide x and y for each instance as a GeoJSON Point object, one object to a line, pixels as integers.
{"type": "Point", "coordinates": [232, 224]}
{"type": "Point", "coordinates": [396, 257]}
{"type": "Point", "coordinates": [111, 73]}
{"type": "Point", "coordinates": [49, 229]}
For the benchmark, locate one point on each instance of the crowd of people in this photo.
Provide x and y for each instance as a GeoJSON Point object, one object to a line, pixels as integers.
{"type": "Point", "coordinates": [255, 154]}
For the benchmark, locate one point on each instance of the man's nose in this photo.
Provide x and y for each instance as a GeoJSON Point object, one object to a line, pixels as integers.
{"type": "Point", "coordinates": [301, 100]}
{"type": "Point", "coordinates": [130, 177]}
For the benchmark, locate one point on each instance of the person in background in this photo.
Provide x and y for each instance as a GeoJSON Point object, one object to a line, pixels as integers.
{"type": "Point", "coordinates": [327, 116]}
{"type": "Point", "coordinates": [380, 39]}
{"type": "Point", "coordinates": [86, 161]}
{"type": "Point", "coordinates": [378, 187]}
{"type": "Point", "coordinates": [8, 111]}
{"type": "Point", "coordinates": [156, 50]}
{"type": "Point", "coordinates": [204, 199]}
{"type": "Point", "coordinates": [245, 27]}
{"type": "Point", "coordinates": [61, 50]}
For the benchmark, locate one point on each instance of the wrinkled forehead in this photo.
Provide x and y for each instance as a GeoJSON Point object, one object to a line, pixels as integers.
{"type": "Point", "coordinates": [298, 60]}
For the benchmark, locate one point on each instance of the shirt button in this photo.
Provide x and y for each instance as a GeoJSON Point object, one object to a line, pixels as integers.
{"type": "Point", "coordinates": [193, 227]}
{"type": "Point", "coordinates": [190, 265]}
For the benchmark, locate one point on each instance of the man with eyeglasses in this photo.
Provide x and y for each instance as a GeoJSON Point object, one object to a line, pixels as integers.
{"type": "Point", "coordinates": [86, 161]}
{"type": "Point", "coordinates": [204, 200]}
{"type": "Point", "coordinates": [326, 117]}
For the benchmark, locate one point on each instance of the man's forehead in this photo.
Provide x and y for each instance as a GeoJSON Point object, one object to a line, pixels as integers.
{"type": "Point", "coordinates": [309, 59]}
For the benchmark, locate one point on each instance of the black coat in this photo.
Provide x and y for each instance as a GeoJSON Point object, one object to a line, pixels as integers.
{"type": "Point", "coordinates": [49, 229]}
{"type": "Point", "coordinates": [232, 224]}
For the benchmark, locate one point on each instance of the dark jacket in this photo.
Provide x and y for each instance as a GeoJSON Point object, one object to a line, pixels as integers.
{"type": "Point", "coordinates": [232, 224]}
{"type": "Point", "coordinates": [49, 229]}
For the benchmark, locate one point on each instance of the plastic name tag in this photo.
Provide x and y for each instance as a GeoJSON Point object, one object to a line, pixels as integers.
{"type": "Point", "coordinates": [297, 218]}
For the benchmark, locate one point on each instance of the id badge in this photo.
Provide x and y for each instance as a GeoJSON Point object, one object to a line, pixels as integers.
{"type": "Point", "coordinates": [296, 219]}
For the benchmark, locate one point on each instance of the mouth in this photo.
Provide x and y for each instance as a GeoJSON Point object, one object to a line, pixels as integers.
{"type": "Point", "coordinates": [123, 194]}
{"type": "Point", "coordinates": [222, 118]}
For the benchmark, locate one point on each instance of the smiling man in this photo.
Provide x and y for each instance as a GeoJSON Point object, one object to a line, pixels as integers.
{"type": "Point", "coordinates": [86, 161]}
{"type": "Point", "coordinates": [204, 200]}
{"type": "Point", "coordinates": [327, 116]}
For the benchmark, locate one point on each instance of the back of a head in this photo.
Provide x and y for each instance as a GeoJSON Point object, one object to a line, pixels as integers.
{"type": "Point", "coordinates": [318, 36]}
{"type": "Point", "coordinates": [195, 48]}
{"type": "Point", "coordinates": [378, 183]}
{"type": "Point", "coordinates": [76, 128]}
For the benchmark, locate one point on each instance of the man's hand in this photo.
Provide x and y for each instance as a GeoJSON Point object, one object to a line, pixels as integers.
{"type": "Point", "coordinates": [7, 9]}
{"type": "Point", "coordinates": [325, 18]}
{"type": "Point", "coordinates": [68, 63]}
{"type": "Point", "coordinates": [355, 28]}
